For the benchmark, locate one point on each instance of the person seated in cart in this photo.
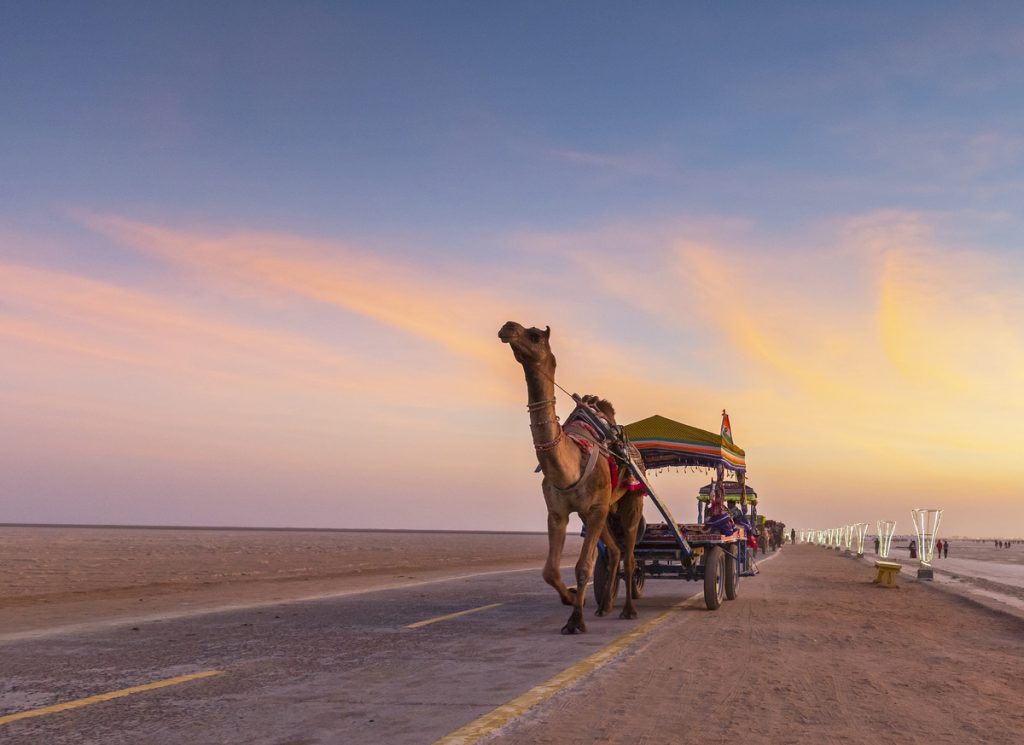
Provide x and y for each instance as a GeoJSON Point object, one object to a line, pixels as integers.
{"type": "Point", "coordinates": [733, 499]}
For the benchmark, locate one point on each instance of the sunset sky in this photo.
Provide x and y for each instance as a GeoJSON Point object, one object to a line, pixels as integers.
{"type": "Point", "coordinates": [254, 256]}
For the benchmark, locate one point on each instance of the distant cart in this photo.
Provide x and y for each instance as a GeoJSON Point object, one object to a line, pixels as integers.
{"type": "Point", "coordinates": [714, 549]}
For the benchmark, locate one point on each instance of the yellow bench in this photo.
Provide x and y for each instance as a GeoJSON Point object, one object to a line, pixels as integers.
{"type": "Point", "coordinates": [887, 571]}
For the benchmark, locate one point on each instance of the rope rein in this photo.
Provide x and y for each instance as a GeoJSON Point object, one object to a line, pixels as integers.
{"type": "Point", "coordinates": [538, 405]}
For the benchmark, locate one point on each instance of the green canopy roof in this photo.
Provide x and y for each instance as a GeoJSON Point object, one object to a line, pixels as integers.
{"type": "Point", "coordinates": [663, 442]}
{"type": "Point", "coordinates": [732, 492]}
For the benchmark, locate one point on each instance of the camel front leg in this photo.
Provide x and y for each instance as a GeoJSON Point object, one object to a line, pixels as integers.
{"type": "Point", "coordinates": [595, 520]}
{"type": "Point", "coordinates": [552, 567]}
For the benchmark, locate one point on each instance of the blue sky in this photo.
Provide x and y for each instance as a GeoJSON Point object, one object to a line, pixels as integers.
{"type": "Point", "coordinates": [406, 117]}
{"type": "Point", "coordinates": [786, 209]}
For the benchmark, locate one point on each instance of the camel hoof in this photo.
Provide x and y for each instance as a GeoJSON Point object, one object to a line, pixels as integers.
{"type": "Point", "coordinates": [628, 613]}
{"type": "Point", "coordinates": [574, 624]}
{"type": "Point", "coordinates": [601, 612]}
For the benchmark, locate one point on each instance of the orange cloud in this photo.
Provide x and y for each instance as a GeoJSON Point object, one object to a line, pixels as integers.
{"type": "Point", "coordinates": [880, 363]}
{"type": "Point", "coordinates": [430, 305]}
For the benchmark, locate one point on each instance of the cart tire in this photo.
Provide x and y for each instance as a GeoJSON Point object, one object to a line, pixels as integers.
{"type": "Point", "coordinates": [714, 581]}
{"type": "Point", "coordinates": [732, 575]}
{"type": "Point", "coordinates": [601, 579]}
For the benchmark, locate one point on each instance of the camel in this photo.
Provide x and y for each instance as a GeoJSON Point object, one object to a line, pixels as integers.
{"type": "Point", "coordinates": [574, 481]}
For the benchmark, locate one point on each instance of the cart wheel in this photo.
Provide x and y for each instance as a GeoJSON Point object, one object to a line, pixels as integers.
{"type": "Point", "coordinates": [732, 575]}
{"type": "Point", "coordinates": [639, 578]}
{"type": "Point", "coordinates": [714, 585]}
{"type": "Point", "coordinates": [601, 578]}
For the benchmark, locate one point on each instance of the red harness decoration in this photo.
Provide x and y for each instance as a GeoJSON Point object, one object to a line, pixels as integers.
{"type": "Point", "coordinates": [583, 435]}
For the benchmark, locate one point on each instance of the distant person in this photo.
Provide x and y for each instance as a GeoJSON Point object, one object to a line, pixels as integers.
{"type": "Point", "coordinates": [913, 549]}
{"type": "Point", "coordinates": [938, 549]}
{"type": "Point", "coordinates": [878, 545]}
{"type": "Point", "coordinates": [945, 550]}
{"type": "Point", "coordinates": [792, 536]}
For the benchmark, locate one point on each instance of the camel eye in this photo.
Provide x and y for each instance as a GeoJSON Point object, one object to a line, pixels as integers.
{"type": "Point", "coordinates": [534, 336]}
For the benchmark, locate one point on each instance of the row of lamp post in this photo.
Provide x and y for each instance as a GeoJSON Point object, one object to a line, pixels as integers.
{"type": "Point", "coordinates": [847, 537]}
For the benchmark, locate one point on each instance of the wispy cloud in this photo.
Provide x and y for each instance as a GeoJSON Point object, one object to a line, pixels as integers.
{"type": "Point", "coordinates": [873, 347]}
{"type": "Point", "coordinates": [428, 304]}
{"type": "Point", "coordinates": [625, 164]}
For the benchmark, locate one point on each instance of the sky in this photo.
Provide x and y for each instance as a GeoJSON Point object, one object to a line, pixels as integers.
{"type": "Point", "coordinates": [254, 256]}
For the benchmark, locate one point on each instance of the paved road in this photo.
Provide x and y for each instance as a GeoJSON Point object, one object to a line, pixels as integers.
{"type": "Point", "coordinates": [342, 670]}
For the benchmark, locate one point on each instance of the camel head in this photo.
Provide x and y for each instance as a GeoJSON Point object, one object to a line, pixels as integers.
{"type": "Point", "coordinates": [530, 346]}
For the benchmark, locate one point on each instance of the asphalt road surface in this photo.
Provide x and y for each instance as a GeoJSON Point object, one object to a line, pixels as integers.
{"type": "Point", "coordinates": [392, 666]}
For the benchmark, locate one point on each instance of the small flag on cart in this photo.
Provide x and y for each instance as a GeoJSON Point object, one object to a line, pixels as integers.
{"type": "Point", "coordinates": [726, 428]}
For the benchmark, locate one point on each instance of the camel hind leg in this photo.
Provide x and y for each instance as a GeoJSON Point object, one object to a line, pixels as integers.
{"type": "Point", "coordinates": [630, 511]}
{"type": "Point", "coordinates": [613, 557]}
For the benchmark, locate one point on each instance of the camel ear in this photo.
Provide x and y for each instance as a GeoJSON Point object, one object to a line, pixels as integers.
{"type": "Point", "coordinates": [547, 332]}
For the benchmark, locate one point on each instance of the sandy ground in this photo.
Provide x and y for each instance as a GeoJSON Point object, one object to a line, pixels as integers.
{"type": "Point", "coordinates": [59, 577]}
{"type": "Point", "coordinates": [811, 652]}
{"type": "Point", "coordinates": [992, 576]}
{"type": "Point", "coordinates": [968, 549]}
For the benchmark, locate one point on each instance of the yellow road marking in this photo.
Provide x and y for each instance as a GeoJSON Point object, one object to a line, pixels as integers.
{"type": "Point", "coordinates": [429, 621]}
{"type": "Point", "coordinates": [498, 718]}
{"type": "Point", "coordinates": [515, 708]}
{"type": "Point", "coordinates": [107, 696]}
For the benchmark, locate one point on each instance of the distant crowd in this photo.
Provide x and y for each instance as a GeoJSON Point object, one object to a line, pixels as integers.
{"type": "Point", "coordinates": [941, 549]}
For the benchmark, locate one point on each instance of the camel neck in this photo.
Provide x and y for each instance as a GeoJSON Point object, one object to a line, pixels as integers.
{"type": "Point", "coordinates": [561, 463]}
{"type": "Point", "coordinates": [539, 385]}
{"type": "Point", "coordinates": [541, 400]}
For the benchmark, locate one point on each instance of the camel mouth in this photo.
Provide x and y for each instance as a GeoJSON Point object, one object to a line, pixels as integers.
{"type": "Point", "coordinates": [508, 332]}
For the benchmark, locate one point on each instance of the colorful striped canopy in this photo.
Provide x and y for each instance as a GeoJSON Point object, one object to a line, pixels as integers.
{"type": "Point", "coordinates": [663, 443]}
{"type": "Point", "coordinates": [732, 492]}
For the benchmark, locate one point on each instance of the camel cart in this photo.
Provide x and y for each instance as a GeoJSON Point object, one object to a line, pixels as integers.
{"type": "Point", "coordinates": [713, 550]}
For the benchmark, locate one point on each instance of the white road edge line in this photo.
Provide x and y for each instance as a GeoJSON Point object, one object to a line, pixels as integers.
{"type": "Point", "coordinates": [449, 616]}
{"type": "Point", "coordinates": [88, 626]}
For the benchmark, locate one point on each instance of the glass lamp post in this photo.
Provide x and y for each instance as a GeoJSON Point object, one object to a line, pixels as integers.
{"type": "Point", "coordinates": [926, 527]}
{"type": "Point", "coordinates": [886, 529]}
{"type": "Point", "coordinates": [861, 530]}
{"type": "Point", "coordinates": [887, 569]}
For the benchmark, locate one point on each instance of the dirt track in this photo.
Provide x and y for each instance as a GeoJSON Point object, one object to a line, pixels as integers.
{"type": "Point", "coordinates": [815, 654]}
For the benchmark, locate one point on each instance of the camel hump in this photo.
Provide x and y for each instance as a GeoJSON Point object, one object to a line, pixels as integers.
{"type": "Point", "coordinates": [601, 404]}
